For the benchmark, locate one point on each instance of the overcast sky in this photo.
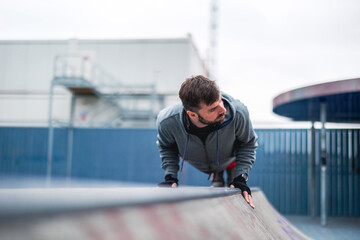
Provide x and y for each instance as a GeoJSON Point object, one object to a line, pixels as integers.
{"type": "Point", "coordinates": [265, 47]}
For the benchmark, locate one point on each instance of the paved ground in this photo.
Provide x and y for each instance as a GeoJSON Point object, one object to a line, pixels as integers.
{"type": "Point", "coordinates": [336, 228]}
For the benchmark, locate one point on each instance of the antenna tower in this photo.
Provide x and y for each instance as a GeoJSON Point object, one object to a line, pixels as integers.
{"type": "Point", "coordinates": [212, 58]}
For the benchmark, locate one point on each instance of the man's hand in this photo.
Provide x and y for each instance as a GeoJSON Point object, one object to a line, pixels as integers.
{"type": "Point", "coordinates": [240, 182]}
{"type": "Point", "coordinates": [169, 182]}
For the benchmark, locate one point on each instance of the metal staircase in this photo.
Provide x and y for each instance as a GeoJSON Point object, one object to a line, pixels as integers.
{"type": "Point", "coordinates": [126, 102]}
{"type": "Point", "coordinates": [83, 78]}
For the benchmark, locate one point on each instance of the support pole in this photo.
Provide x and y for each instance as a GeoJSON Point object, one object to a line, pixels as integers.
{"type": "Point", "coordinates": [152, 107]}
{"type": "Point", "coordinates": [323, 163]}
{"type": "Point", "coordinates": [50, 136]}
{"type": "Point", "coordinates": [70, 139]}
{"type": "Point", "coordinates": [311, 174]}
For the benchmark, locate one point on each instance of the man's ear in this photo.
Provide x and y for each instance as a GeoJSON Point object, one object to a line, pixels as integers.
{"type": "Point", "coordinates": [191, 114]}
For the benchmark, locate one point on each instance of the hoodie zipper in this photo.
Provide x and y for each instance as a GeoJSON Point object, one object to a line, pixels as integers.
{"type": "Point", "coordinates": [206, 155]}
{"type": "Point", "coordinates": [217, 151]}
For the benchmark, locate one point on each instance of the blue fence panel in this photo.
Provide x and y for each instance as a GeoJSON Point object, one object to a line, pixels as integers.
{"type": "Point", "coordinates": [343, 170]}
{"type": "Point", "coordinates": [281, 168]}
{"type": "Point", "coordinates": [120, 154]}
{"type": "Point", "coordinates": [23, 151]}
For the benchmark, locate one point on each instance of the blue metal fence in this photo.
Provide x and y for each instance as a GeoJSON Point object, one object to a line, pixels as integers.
{"type": "Point", "coordinates": [343, 172]}
{"type": "Point", "coordinates": [281, 168]}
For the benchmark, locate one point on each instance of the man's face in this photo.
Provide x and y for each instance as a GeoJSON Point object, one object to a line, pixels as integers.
{"type": "Point", "coordinates": [212, 114]}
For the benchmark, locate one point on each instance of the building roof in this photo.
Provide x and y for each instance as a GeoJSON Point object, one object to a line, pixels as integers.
{"type": "Point", "coordinates": [303, 104]}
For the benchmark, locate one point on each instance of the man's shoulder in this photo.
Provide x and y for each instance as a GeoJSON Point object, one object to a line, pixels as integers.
{"type": "Point", "coordinates": [169, 112]}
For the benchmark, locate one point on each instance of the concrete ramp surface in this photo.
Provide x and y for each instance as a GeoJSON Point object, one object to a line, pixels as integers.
{"type": "Point", "coordinates": [139, 213]}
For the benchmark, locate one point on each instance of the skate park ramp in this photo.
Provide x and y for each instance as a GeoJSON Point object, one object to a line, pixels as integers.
{"type": "Point", "coordinates": [139, 213]}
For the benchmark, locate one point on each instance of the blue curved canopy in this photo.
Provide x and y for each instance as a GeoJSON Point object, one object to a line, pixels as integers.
{"type": "Point", "coordinates": [342, 102]}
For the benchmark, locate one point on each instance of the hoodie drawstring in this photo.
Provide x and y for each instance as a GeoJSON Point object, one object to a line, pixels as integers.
{"type": "Point", "coordinates": [183, 157]}
{"type": "Point", "coordinates": [217, 147]}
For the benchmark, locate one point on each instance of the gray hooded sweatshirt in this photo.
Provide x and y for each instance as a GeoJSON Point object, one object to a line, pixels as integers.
{"type": "Point", "coordinates": [234, 139]}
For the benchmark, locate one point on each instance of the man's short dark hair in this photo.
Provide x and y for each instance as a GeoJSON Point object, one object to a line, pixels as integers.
{"type": "Point", "coordinates": [196, 90]}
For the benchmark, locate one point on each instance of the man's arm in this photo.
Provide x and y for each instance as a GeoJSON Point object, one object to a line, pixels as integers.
{"type": "Point", "coordinates": [246, 144]}
{"type": "Point", "coordinates": [168, 153]}
{"type": "Point", "coordinates": [245, 152]}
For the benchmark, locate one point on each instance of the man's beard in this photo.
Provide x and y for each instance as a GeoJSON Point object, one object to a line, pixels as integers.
{"type": "Point", "coordinates": [215, 122]}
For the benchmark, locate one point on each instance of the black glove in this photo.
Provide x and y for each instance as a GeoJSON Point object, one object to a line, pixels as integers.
{"type": "Point", "coordinates": [240, 182]}
{"type": "Point", "coordinates": [169, 180]}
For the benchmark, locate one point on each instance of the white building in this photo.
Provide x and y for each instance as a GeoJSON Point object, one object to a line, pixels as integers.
{"type": "Point", "coordinates": [115, 67]}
